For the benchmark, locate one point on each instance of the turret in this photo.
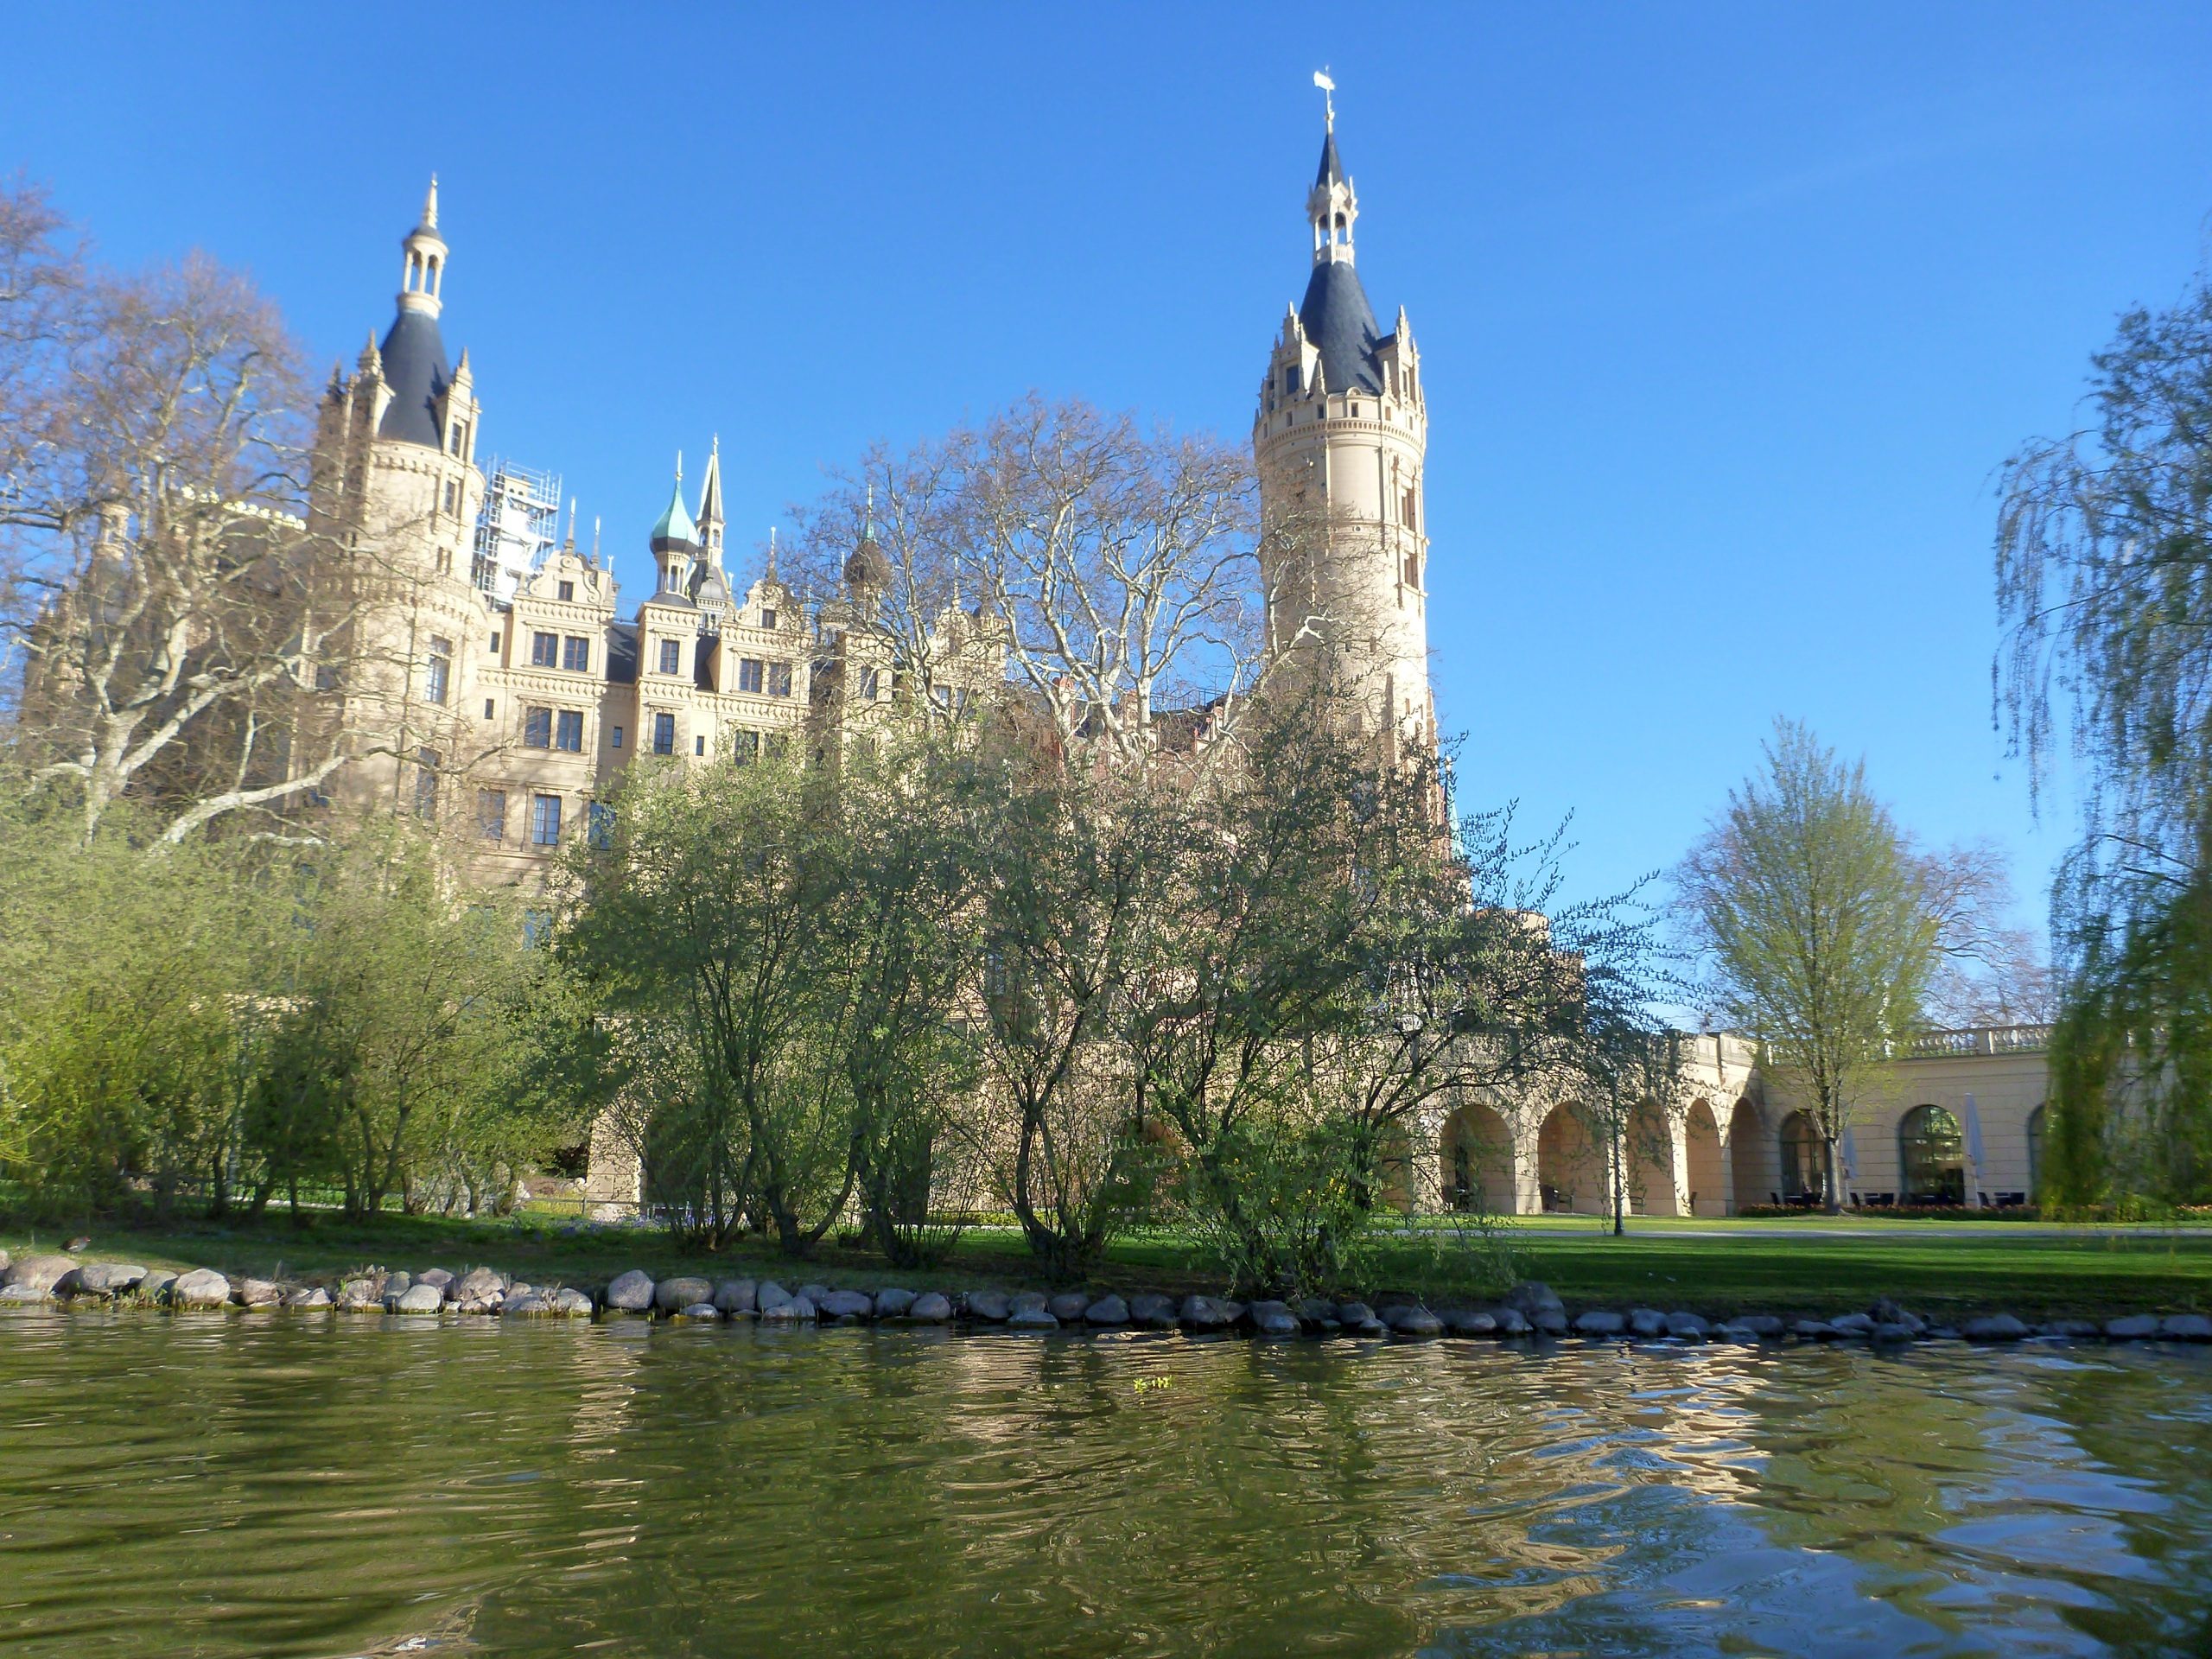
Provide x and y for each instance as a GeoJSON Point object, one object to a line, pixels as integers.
{"type": "Point", "coordinates": [675, 541]}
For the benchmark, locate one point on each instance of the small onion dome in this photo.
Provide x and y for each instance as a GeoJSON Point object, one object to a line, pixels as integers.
{"type": "Point", "coordinates": [867, 569]}
{"type": "Point", "coordinates": [675, 533]}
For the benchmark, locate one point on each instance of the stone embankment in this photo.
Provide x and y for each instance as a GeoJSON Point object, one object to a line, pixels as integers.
{"type": "Point", "coordinates": [1528, 1310]}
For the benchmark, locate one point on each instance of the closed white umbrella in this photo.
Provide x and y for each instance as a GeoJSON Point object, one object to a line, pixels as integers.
{"type": "Point", "coordinates": [1973, 1154]}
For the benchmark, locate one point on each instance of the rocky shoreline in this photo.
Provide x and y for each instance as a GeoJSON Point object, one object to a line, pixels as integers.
{"type": "Point", "coordinates": [1528, 1310]}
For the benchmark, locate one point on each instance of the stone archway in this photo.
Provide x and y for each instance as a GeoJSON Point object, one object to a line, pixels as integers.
{"type": "Point", "coordinates": [1705, 1169]}
{"type": "Point", "coordinates": [1751, 1157]}
{"type": "Point", "coordinates": [1476, 1162]}
{"type": "Point", "coordinates": [1570, 1165]}
{"type": "Point", "coordinates": [1649, 1155]}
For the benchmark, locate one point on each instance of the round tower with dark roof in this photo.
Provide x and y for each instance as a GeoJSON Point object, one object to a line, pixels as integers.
{"type": "Point", "coordinates": [1340, 439]}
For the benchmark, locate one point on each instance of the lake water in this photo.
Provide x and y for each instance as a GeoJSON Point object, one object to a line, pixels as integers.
{"type": "Point", "coordinates": [289, 1486]}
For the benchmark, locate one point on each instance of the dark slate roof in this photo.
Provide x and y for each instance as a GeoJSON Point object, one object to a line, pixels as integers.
{"type": "Point", "coordinates": [415, 368]}
{"type": "Point", "coordinates": [1332, 169]}
{"type": "Point", "coordinates": [1338, 319]}
{"type": "Point", "coordinates": [704, 655]}
{"type": "Point", "coordinates": [621, 654]}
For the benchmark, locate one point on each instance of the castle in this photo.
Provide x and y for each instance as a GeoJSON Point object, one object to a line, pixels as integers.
{"type": "Point", "coordinates": [504, 704]}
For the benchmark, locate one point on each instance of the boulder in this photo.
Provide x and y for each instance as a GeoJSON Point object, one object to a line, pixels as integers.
{"type": "Point", "coordinates": [771, 1298]}
{"type": "Point", "coordinates": [804, 1309]}
{"type": "Point", "coordinates": [570, 1304]}
{"type": "Point", "coordinates": [438, 1276]}
{"type": "Point", "coordinates": [156, 1281]}
{"type": "Point", "coordinates": [1032, 1318]}
{"type": "Point", "coordinates": [1470, 1322]}
{"type": "Point", "coordinates": [1885, 1311]}
{"type": "Point", "coordinates": [1412, 1320]}
{"type": "Point", "coordinates": [1852, 1324]}
{"type": "Point", "coordinates": [1152, 1312]}
{"type": "Point", "coordinates": [39, 1273]}
{"type": "Point", "coordinates": [525, 1305]}
{"type": "Point", "coordinates": [1686, 1327]}
{"type": "Point", "coordinates": [1600, 1322]}
{"type": "Point", "coordinates": [785, 1311]}
{"type": "Point", "coordinates": [1994, 1327]}
{"type": "Point", "coordinates": [201, 1287]}
{"type": "Point", "coordinates": [674, 1295]}
{"type": "Point", "coordinates": [1509, 1321]}
{"type": "Point", "coordinates": [257, 1293]}
{"type": "Point", "coordinates": [312, 1298]}
{"type": "Point", "coordinates": [1739, 1331]}
{"type": "Point", "coordinates": [1107, 1309]}
{"type": "Point", "coordinates": [931, 1308]}
{"type": "Point", "coordinates": [1068, 1306]}
{"type": "Point", "coordinates": [735, 1297]}
{"type": "Point", "coordinates": [1547, 1322]}
{"type": "Point", "coordinates": [1274, 1320]}
{"type": "Point", "coordinates": [698, 1311]}
{"type": "Point", "coordinates": [3, 1263]}
{"type": "Point", "coordinates": [2071, 1329]}
{"type": "Point", "coordinates": [14, 1294]}
{"type": "Point", "coordinates": [1204, 1313]}
{"type": "Point", "coordinates": [2136, 1327]}
{"type": "Point", "coordinates": [1765, 1326]}
{"type": "Point", "coordinates": [848, 1304]}
{"type": "Point", "coordinates": [1027, 1301]}
{"type": "Point", "coordinates": [814, 1293]}
{"type": "Point", "coordinates": [1317, 1313]}
{"type": "Point", "coordinates": [1531, 1297]}
{"type": "Point", "coordinates": [109, 1278]}
{"type": "Point", "coordinates": [395, 1284]}
{"type": "Point", "coordinates": [480, 1287]}
{"type": "Point", "coordinates": [1352, 1315]}
{"type": "Point", "coordinates": [894, 1304]}
{"type": "Point", "coordinates": [2186, 1327]}
{"type": "Point", "coordinates": [989, 1306]}
{"type": "Point", "coordinates": [1812, 1330]}
{"type": "Point", "coordinates": [1646, 1323]}
{"type": "Point", "coordinates": [418, 1299]}
{"type": "Point", "coordinates": [358, 1293]}
{"type": "Point", "coordinates": [1891, 1331]}
{"type": "Point", "coordinates": [631, 1292]}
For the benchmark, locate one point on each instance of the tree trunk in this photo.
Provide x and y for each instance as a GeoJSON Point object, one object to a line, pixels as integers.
{"type": "Point", "coordinates": [1834, 1144]}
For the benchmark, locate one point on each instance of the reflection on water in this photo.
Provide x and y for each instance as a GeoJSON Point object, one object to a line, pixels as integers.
{"type": "Point", "coordinates": [282, 1485]}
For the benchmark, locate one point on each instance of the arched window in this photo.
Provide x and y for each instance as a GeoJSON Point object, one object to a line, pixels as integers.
{"type": "Point", "coordinates": [2035, 1152]}
{"type": "Point", "coordinates": [1801, 1162]}
{"type": "Point", "coordinates": [1932, 1152]}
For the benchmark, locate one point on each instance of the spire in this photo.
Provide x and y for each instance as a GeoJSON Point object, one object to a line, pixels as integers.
{"type": "Point", "coordinates": [423, 274]}
{"type": "Point", "coordinates": [569, 546]}
{"type": "Point", "coordinates": [430, 205]}
{"type": "Point", "coordinates": [772, 553]}
{"type": "Point", "coordinates": [594, 541]}
{"type": "Point", "coordinates": [1331, 205]}
{"type": "Point", "coordinates": [675, 539]}
{"type": "Point", "coordinates": [414, 352]}
{"type": "Point", "coordinates": [711, 504]}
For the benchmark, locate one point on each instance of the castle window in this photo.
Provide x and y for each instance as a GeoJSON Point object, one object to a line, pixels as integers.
{"type": "Point", "coordinates": [748, 674]}
{"type": "Point", "coordinates": [545, 820]}
{"type": "Point", "coordinates": [1292, 377]}
{"type": "Point", "coordinates": [569, 731]}
{"type": "Point", "coordinates": [779, 679]}
{"type": "Point", "coordinates": [488, 707]}
{"type": "Point", "coordinates": [426, 782]}
{"type": "Point", "coordinates": [1409, 510]}
{"type": "Point", "coordinates": [544, 650]}
{"type": "Point", "coordinates": [537, 927]}
{"type": "Point", "coordinates": [568, 590]}
{"type": "Point", "coordinates": [663, 733]}
{"type": "Point", "coordinates": [452, 498]}
{"type": "Point", "coordinates": [495, 645]}
{"type": "Point", "coordinates": [776, 746]}
{"type": "Point", "coordinates": [699, 744]}
{"type": "Point", "coordinates": [575, 654]}
{"type": "Point", "coordinates": [327, 676]}
{"type": "Point", "coordinates": [599, 825]}
{"type": "Point", "coordinates": [747, 749]}
{"type": "Point", "coordinates": [492, 814]}
{"type": "Point", "coordinates": [615, 740]}
{"type": "Point", "coordinates": [438, 674]}
{"type": "Point", "coordinates": [768, 617]}
{"type": "Point", "coordinates": [871, 681]}
{"type": "Point", "coordinates": [671, 657]}
{"type": "Point", "coordinates": [445, 561]}
{"type": "Point", "coordinates": [538, 728]}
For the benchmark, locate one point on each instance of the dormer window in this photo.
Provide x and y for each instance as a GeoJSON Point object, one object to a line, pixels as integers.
{"type": "Point", "coordinates": [568, 590]}
{"type": "Point", "coordinates": [768, 616]}
{"type": "Point", "coordinates": [1293, 380]}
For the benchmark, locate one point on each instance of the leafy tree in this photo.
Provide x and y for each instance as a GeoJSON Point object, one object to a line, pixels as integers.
{"type": "Point", "coordinates": [1822, 927]}
{"type": "Point", "coordinates": [2104, 584]}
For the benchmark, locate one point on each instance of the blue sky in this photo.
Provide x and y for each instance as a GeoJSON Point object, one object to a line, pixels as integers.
{"type": "Point", "coordinates": [1728, 314]}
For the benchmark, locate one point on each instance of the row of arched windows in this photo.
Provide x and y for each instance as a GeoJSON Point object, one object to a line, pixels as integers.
{"type": "Point", "coordinates": [1931, 1155]}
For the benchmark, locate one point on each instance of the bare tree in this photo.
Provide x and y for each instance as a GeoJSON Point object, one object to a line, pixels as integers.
{"type": "Point", "coordinates": [1117, 569]}
{"type": "Point", "coordinates": [159, 587]}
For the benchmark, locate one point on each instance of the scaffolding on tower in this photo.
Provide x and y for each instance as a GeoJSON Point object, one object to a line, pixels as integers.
{"type": "Point", "coordinates": [518, 524]}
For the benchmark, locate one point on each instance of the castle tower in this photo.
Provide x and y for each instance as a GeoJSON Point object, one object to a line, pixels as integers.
{"type": "Point", "coordinates": [674, 539]}
{"type": "Point", "coordinates": [1340, 438]}
{"type": "Point", "coordinates": [397, 487]}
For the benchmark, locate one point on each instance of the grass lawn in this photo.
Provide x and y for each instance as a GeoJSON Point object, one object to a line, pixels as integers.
{"type": "Point", "coordinates": [1813, 1265]}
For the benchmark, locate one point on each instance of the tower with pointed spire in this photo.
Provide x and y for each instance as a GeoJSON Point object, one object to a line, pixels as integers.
{"type": "Point", "coordinates": [1340, 438]}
